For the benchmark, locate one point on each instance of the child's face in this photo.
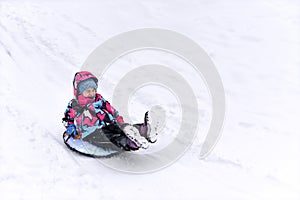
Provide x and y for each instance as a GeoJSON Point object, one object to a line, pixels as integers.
{"type": "Point", "coordinates": [90, 93]}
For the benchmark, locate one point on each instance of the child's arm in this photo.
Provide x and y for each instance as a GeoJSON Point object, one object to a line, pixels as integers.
{"type": "Point", "coordinates": [110, 109]}
{"type": "Point", "coordinates": [69, 114]}
{"type": "Point", "coordinates": [69, 121]}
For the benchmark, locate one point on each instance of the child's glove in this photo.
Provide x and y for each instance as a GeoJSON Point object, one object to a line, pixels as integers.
{"type": "Point", "coordinates": [71, 130]}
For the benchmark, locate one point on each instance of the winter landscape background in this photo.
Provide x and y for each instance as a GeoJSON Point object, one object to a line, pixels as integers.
{"type": "Point", "coordinates": [255, 46]}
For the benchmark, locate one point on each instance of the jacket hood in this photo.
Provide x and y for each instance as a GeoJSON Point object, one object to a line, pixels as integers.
{"type": "Point", "coordinates": [82, 76]}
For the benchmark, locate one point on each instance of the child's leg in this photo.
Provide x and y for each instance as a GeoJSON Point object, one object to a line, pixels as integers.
{"type": "Point", "coordinates": [145, 129]}
{"type": "Point", "coordinates": [142, 129]}
{"type": "Point", "coordinates": [98, 138]}
{"type": "Point", "coordinates": [134, 135]}
{"type": "Point", "coordinates": [146, 132]}
{"type": "Point", "coordinates": [116, 135]}
{"type": "Point", "coordinates": [125, 137]}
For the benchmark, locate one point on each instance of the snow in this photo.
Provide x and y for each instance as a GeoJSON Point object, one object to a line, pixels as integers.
{"type": "Point", "coordinates": [255, 46]}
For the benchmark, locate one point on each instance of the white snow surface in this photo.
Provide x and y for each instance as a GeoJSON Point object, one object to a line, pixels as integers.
{"type": "Point", "coordinates": [255, 46]}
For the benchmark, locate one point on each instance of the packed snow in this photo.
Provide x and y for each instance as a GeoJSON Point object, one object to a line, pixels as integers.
{"type": "Point", "coordinates": [255, 46]}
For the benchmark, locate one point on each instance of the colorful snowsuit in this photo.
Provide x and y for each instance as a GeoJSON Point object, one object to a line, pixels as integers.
{"type": "Point", "coordinates": [91, 116]}
{"type": "Point", "coordinates": [96, 115]}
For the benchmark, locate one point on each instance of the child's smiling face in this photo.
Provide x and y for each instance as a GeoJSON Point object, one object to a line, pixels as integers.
{"type": "Point", "coordinates": [90, 93]}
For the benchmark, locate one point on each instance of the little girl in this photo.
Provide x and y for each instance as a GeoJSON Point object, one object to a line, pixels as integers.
{"type": "Point", "coordinates": [91, 118]}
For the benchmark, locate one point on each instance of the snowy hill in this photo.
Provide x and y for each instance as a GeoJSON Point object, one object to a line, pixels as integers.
{"type": "Point", "coordinates": [255, 46]}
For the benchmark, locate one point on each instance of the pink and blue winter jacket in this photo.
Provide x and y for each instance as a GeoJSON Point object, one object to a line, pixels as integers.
{"type": "Point", "coordinates": [89, 114]}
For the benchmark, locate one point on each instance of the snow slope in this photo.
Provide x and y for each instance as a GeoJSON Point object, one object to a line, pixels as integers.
{"type": "Point", "coordinates": [255, 46]}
